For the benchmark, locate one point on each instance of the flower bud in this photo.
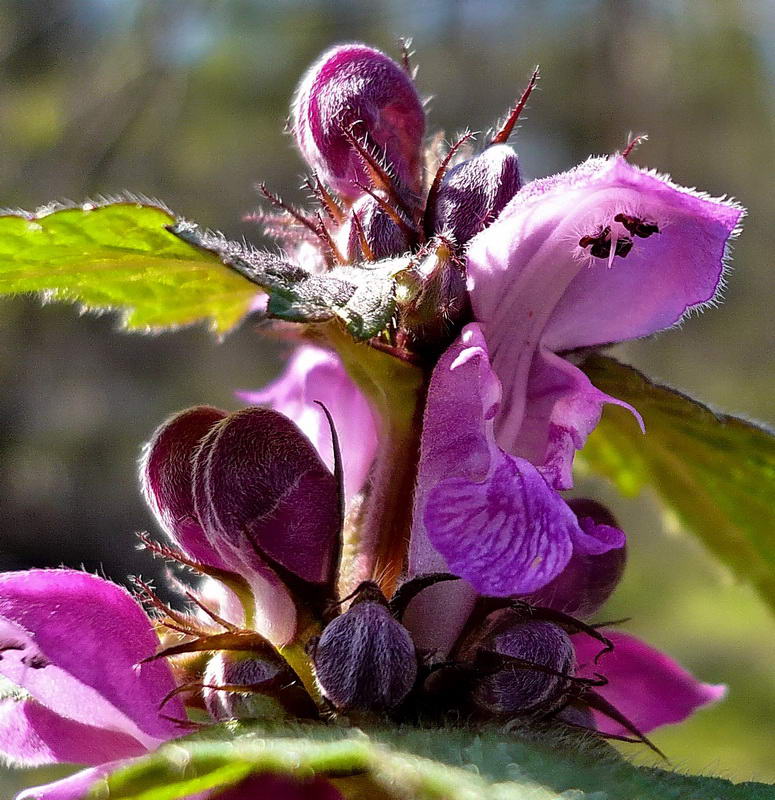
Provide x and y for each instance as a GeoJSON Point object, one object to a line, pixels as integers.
{"type": "Point", "coordinates": [262, 492]}
{"type": "Point", "coordinates": [355, 85]}
{"type": "Point", "coordinates": [383, 237]}
{"type": "Point", "coordinates": [365, 660]}
{"type": "Point", "coordinates": [474, 192]}
{"type": "Point", "coordinates": [515, 689]}
{"type": "Point", "coordinates": [241, 669]}
{"type": "Point", "coordinates": [589, 578]}
{"type": "Point", "coordinates": [167, 480]}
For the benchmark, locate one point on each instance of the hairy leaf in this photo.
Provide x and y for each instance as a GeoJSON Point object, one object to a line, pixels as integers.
{"type": "Point", "coordinates": [410, 764]}
{"type": "Point", "coordinates": [363, 298]}
{"type": "Point", "coordinates": [119, 255]}
{"type": "Point", "coordinates": [716, 472]}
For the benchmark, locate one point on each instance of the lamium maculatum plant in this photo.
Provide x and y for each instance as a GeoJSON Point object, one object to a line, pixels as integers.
{"type": "Point", "coordinates": [377, 554]}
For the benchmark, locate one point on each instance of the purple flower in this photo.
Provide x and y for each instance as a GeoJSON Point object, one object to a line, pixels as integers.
{"type": "Point", "coordinates": [484, 514]}
{"type": "Point", "coordinates": [354, 90]}
{"type": "Point", "coordinates": [73, 644]}
{"type": "Point", "coordinates": [314, 374]}
{"type": "Point", "coordinates": [603, 253]}
{"type": "Point", "coordinates": [247, 492]}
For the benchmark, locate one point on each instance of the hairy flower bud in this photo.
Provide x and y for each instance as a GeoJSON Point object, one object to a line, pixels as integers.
{"type": "Point", "coordinates": [365, 659]}
{"type": "Point", "coordinates": [226, 669]}
{"type": "Point", "coordinates": [374, 236]}
{"type": "Point", "coordinates": [474, 192]}
{"type": "Point", "coordinates": [589, 578]}
{"type": "Point", "coordinates": [359, 88]}
{"type": "Point", "coordinates": [261, 490]}
{"type": "Point", "coordinates": [516, 688]}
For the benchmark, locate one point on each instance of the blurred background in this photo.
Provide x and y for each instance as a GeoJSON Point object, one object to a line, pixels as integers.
{"type": "Point", "coordinates": [187, 101]}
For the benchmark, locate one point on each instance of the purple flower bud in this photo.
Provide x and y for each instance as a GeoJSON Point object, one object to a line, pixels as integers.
{"type": "Point", "coordinates": [246, 670]}
{"type": "Point", "coordinates": [167, 480]}
{"type": "Point", "coordinates": [590, 577]}
{"type": "Point", "coordinates": [383, 237]}
{"type": "Point", "coordinates": [355, 85]}
{"type": "Point", "coordinates": [518, 689]}
{"type": "Point", "coordinates": [475, 192]}
{"type": "Point", "coordinates": [261, 491]}
{"type": "Point", "coordinates": [365, 660]}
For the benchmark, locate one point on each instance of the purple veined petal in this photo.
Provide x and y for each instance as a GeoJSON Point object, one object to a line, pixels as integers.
{"type": "Point", "coordinates": [463, 398]}
{"type": "Point", "coordinates": [354, 84]}
{"type": "Point", "coordinates": [73, 787]}
{"type": "Point", "coordinates": [490, 517]}
{"type": "Point", "coordinates": [280, 787]}
{"type": "Point", "coordinates": [167, 481]}
{"type": "Point", "coordinates": [32, 735]}
{"type": "Point", "coordinates": [74, 641]}
{"type": "Point", "coordinates": [474, 192]}
{"type": "Point", "coordinates": [594, 569]}
{"type": "Point", "coordinates": [316, 374]}
{"type": "Point", "coordinates": [509, 534]}
{"type": "Point", "coordinates": [647, 686]}
{"type": "Point", "coordinates": [561, 409]}
{"type": "Point", "coordinates": [603, 253]}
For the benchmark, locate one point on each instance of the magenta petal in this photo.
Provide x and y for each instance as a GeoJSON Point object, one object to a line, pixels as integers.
{"type": "Point", "coordinates": [73, 641]}
{"type": "Point", "coordinates": [73, 787]}
{"type": "Point", "coordinates": [31, 735]}
{"type": "Point", "coordinates": [645, 685]}
{"type": "Point", "coordinates": [166, 479]}
{"type": "Point", "coordinates": [562, 408]}
{"type": "Point", "coordinates": [316, 374]}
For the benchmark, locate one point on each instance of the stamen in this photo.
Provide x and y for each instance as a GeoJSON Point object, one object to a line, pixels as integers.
{"type": "Point", "coordinates": [600, 244]}
{"type": "Point", "coordinates": [636, 226]}
{"type": "Point", "coordinates": [502, 136]}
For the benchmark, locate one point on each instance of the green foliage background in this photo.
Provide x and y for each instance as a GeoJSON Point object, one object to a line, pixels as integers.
{"type": "Point", "coordinates": [186, 100]}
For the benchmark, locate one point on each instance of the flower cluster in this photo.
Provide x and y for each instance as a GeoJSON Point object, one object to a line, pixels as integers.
{"type": "Point", "coordinates": [388, 539]}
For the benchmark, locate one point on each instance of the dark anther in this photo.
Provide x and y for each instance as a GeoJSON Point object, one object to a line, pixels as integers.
{"type": "Point", "coordinates": [35, 661]}
{"type": "Point", "coordinates": [636, 226]}
{"type": "Point", "coordinates": [600, 244]}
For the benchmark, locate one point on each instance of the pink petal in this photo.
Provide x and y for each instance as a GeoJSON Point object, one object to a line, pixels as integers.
{"type": "Point", "coordinates": [31, 735]}
{"type": "Point", "coordinates": [645, 685]}
{"type": "Point", "coordinates": [562, 408]}
{"type": "Point", "coordinates": [490, 517]}
{"type": "Point", "coordinates": [316, 374]}
{"type": "Point", "coordinates": [73, 641]}
{"type": "Point", "coordinates": [534, 285]}
{"type": "Point", "coordinates": [74, 787]}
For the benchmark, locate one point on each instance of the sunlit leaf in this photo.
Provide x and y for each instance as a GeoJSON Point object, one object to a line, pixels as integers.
{"type": "Point", "coordinates": [410, 764]}
{"type": "Point", "coordinates": [119, 255]}
{"type": "Point", "coordinates": [714, 471]}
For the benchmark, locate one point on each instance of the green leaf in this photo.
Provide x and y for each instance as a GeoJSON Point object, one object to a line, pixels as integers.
{"type": "Point", "coordinates": [363, 298]}
{"type": "Point", "coordinates": [715, 472]}
{"type": "Point", "coordinates": [410, 763]}
{"type": "Point", "coordinates": [119, 255]}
